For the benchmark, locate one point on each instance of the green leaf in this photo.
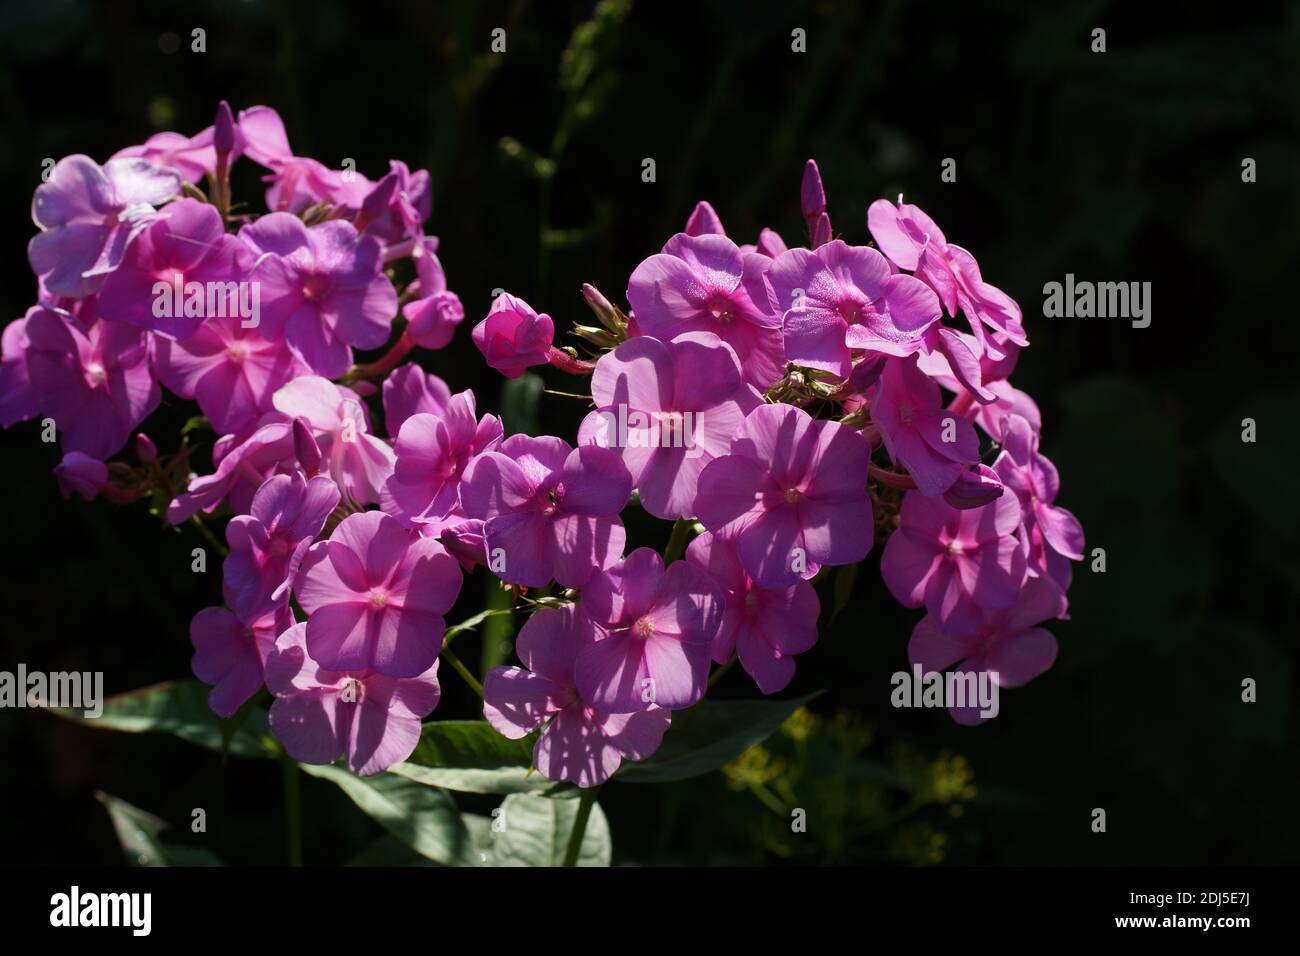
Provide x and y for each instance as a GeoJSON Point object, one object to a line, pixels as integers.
{"type": "Point", "coordinates": [196, 423]}
{"type": "Point", "coordinates": [471, 757]}
{"type": "Point", "coordinates": [519, 400]}
{"type": "Point", "coordinates": [709, 735]}
{"type": "Point", "coordinates": [180, 708]}
{"type": "Point", "coordinates": [530, 830]}
{"type": "Point", "coordinates": [139, 833]}
{"type": "Point", "coordinates": [424, 818]}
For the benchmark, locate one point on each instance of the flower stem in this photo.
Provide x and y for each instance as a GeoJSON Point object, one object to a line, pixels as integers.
{"type": "Point", "coordinates": [292, 808]}
{"type": "Point", "coordinates": [677, 541]}
{"type": "Point", "coordinates": [567, 363]}
{"type": "Point", "coordinates": [718, 674]}
{"type": "Point", "coordinates": [385, 363]}
{"type": "Point", "coordinates": [209, 537]}
{"type": "Point", "coordinates": [462, 670]}
{"type": "Point", "coordinates": [891, 478]}
{"type": "Point", "coordinates": [585, 802]}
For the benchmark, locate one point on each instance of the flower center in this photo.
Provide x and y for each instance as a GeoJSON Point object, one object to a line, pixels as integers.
{"type": "Point", "coordinates": [793, 496]}
{"type": "Point", "coordinates": [237, 352]}
{"type": "Point", "coordinates": [722, 310]}
{"type": "Point", "coordinates": [643, 628]}
{"type": "Point", "coordinates": [954, 548]}
{"type": "Point", "coordinates": [95, 374]}
{"type": "Point", "coordinates": [378, 598]}
{"type": "Point", "coordinates": [314, 287]}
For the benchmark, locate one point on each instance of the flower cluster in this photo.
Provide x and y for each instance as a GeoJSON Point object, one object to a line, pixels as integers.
{"type": "Point", "coordinates": [783, 406]}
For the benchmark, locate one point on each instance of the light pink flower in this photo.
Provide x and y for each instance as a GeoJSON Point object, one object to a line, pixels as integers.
{"type": "Point", "coordinates": [375, 596]}
{"type": "Point", "coordinates": [319, 714]}
{"type": "Point", "coordinates": [231, 655]}
{"type": "Point", "coordinates": [578, 743]}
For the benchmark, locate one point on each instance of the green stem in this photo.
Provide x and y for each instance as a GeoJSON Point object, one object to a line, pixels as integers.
{"type": "Point", "coordinates": [717, 674]}
{"type": "Point", "coordinates": [585, 803]}
{"type": "Point", "coordinates": [462, 670]}
{"type": "Point", "coordinates": [209, 537]}
{"type": "Point", "coordinates": [677, 542]}
{"type": "Point", "coordinates": [292, 808]}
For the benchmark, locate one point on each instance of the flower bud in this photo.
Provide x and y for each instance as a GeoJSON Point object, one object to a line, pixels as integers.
{"type": "Point", "coordinates": [145, 449]}
{"type": "Point", "coordinates": [223, 130]}
{"type": "Point", "coordinates": [305, 448]}
{"type": "Point", "coordinates": [974, 488]}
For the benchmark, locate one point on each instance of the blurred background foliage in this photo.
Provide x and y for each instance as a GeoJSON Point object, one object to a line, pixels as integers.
{"type": "Point", "coordinates": [1122, 166]}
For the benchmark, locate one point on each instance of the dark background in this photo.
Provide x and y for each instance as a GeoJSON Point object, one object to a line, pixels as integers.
{"type": "Point", "coordinates": [1122, 166]}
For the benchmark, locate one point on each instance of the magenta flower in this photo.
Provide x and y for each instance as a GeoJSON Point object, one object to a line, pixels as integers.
{"type": "Point", "coordinates": [433, 452]}
{"type": "Point", "coordinates": [578, 743]}
{"type": "Point", "coordinates": [180, 271]}
{"type": "Point", "coordinates": [1054, 534]}
{"type": "Point", "coordinates": [432, 318]}
{"type": "Point", "coordinates": [375, 596]}
{"type": "Point", "coordinates": [231, 655]}
{"type": "Point", "coordinates": [764, 627]}
{"type": "Point", "coordinates": [913, 241]}
{"type": "Point", "coordinates": [1007, 644]}
{"type": "Point", "coordinates": [409, 389]}
{"type": "Point", "coordinates": [668, 409]}
{"type": "Point", "coordinates": [80, 474]}
{"type": "Point", "coordinates": [958, 563]}
{"type": "Point", "coordinates": [706, 284]}
{"type": "Point", "coordinates": [704, 221]}
{"type": "Point", "coordinates": [193, 157]}
{"type": "Point", "coordinates": [323, 286]}
{"type": "Point", "coordinates": [358, 461]}
{"type": "Point", "coordinates": [1009, 401]}
{"type": "Point", "coordinates": [974, 488]}
{"type": "Point", "coordinates": [268, 544]}
{"type": "Point", "coordinates": [793, 493]}
{"type": "Point", "coordinates": [296, 181]}
{"type": "Point", "coordinates": [934, 444]}
{"type": "Point", "coordinates": [88, 215]}
{"type": "Point", "coordinates": [513, 337]}
{"type": "Point", "coordinates": [653, 635]}
{"type": "Point", "coordinates": [548, 510]}
{"type": "Point", "coordinates": [233, 372]}
{"type": "Point", "coordinates": [319, 715]}
{"type": "Point", "coordinates": [842, 298]}
{"type": "Point", "coordinates": [398, 205]}
{"type": "Point", "coordinates": [17, 400]}
{"type": "Point", "coordinates": [95, 383]}
{"type": "Point", "coordinates": [241, 466]}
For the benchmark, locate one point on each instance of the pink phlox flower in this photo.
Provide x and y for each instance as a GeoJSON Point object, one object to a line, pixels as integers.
{"type": "Point", "coordinates": [268, 544]}
{"type": "Point", "coordinates": [842, 298]}
{"type": "Point", "coordinates": [88, 216]}
{"type": "Point", "coordinates": [705, 283]}
{"type": "Point", "coordinates": [1007, 645]}
{"type": "Point", "coordinates": [764, 627]}
{"type": "Point", "coordinates": [578, 743]}
{"type": "Point", "coordinates": [432, 454]}
{"type": "Point", "coordinates": [319, 714]}
{"type": "Point", "coordinates": [232, 655]}
{"type": "Point", "coordinates": [653, 635]}
{"type": "Point", "coordinates": [358, 461]}
{"type": "Point", "coordinates": [548, 510]}
{"type": "Point", "coordinates": [96, 383]}
{"type": "Point", "coordinates": [513, 337]}
{"type": "Point", "coordinates": [323, 286]}
{"type": "Point", "coordinates": [668, 409]}
{"type": "Point", "coordinates": [934, 444]}
{"type": "Point", "coordinates": [375, 595]}
{"type": "Point", "coordinates": [958, 563]}
{"type": "Point", "coordinates": [792, 493]}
